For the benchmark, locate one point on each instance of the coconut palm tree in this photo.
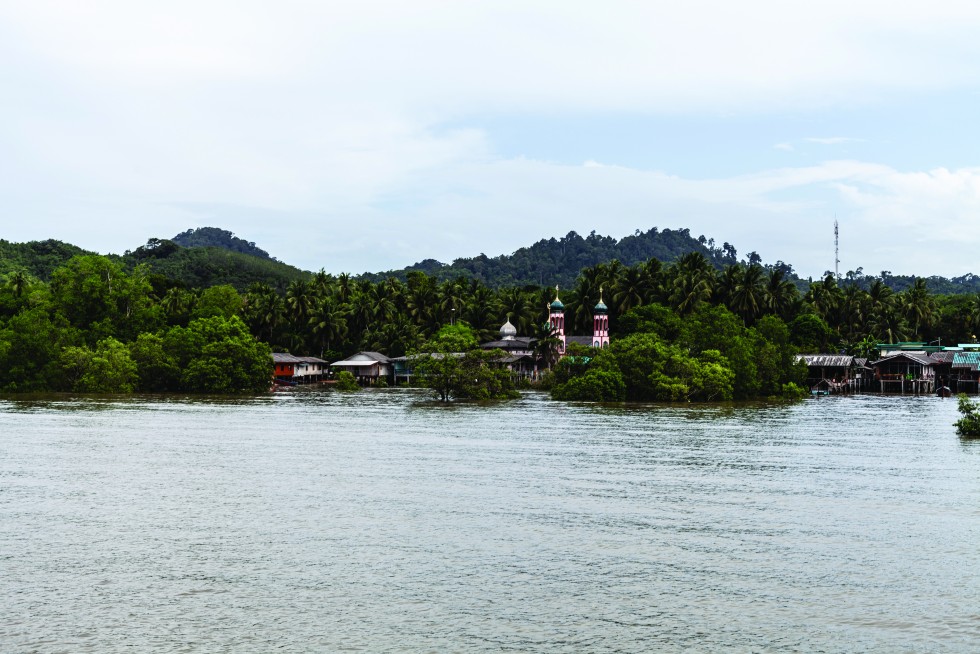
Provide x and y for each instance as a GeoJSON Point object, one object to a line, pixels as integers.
{"type": "Point", "coordinates": [630, 291]}
{"type": "Point", "coordinates": [919, 306]}
{"type": "Point", "coordinates": [779, 294]}
{"type": "Point", "coordinates": [692, 284]}
{"type": "Point", "coordinates": [328, 323]}
{"type": "Point", "coordinates": [749, 296]}
{"type": "Point", "coordinates": [19, 282]}
{"type": "Point", "coordinates": [300, 300]}
{"type": "Point", "coordinates": [516, 303]}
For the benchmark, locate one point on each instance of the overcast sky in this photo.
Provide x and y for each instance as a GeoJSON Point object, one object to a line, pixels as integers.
{"type": "Point", "coordinates": [356, 136]}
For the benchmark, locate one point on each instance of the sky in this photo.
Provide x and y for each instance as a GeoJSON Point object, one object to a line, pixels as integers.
{"type": "Point", "coordinates": [366, 136]}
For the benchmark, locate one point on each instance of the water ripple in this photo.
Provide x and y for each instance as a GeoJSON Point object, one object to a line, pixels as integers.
{"type": "Point", "coordinates": [382, 521]}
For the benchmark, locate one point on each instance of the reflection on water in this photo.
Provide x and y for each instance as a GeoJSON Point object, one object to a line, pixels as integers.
{"type": "Point", "coordinates": [314, 521]}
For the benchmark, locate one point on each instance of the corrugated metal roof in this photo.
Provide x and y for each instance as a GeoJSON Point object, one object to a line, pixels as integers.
{"type": "Point", "coordinates": [518, 343]}
{"type": "Point", "coordinates": [914, 356]}
{"type": "Point", "coordinates": [969, 360]}
{"type": "Point", "coordinates": [942, 357]}
{"type": "Point", "coordinates": [283, 357]}
{"type": "Point", "coordinates": [826, 360]}
{"type": "Point", "coordinates": [377, 356]}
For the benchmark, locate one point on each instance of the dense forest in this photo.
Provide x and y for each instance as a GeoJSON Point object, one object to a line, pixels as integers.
{"type": "Point", "coordinates": [167, 263]}
{"type": "Point", "coordinates": [558, 261]}
{"type": "Point", "coordinates": [210, 256]}
{"type": "Point", "coordinates": [115, 324]}
{"type": "Point", "coordinates": [213, 237]}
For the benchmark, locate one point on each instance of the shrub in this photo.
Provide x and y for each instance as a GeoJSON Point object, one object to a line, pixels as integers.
{"type": "Point", "coordinates": [969, 424]}
{"type": "Point", "coordinates": [346, 382]}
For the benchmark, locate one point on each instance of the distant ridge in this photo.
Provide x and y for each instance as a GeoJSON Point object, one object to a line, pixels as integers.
{"type": "Point", "coordinates": [558, 261]}
{"type": "Point", "coordinates": [207, 256]}
{"type": "Point", "coordinates": [204, 237]}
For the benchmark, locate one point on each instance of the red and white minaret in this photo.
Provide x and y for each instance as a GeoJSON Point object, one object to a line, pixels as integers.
{"type": "Point", "coordinates": [556, 318]}
{"type": "Point", "coordinates": [600, 324]}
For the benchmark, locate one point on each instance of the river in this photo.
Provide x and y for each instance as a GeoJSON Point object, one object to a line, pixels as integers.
{"type": "Point", "coordinates": [381, 521]}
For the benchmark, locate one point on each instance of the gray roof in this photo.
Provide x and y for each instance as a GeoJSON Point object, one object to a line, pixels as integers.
{"type": "Point", "coordinates": [827, 360]}
{"type": "Point", "coordinates": [516, 343]}
{"type": "Point", "coordinates": [371, 359]}
{"type": "Point", "coordinates": [914, 356]}
{"type": "Point", "coordinates": [284, 357]}
{"type": "Point", "coordinates": [587, 341]}
{"type": "Point", "coordinates": [942, 357]}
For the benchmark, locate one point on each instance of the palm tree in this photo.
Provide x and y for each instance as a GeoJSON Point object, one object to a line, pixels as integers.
{"type": "Point", "coordinates": [480, 314]}
{"type": "Point", "coordinates": [749, 296]}
{"type": "Point", "coordinates": [300, 300]}
{"type": "Point", "coordinates": [547, 346]}
{"type": "Point", "coordinates": [18, 282]}
{"type": "Point", "coordinates": [516, 304]}
{"type": "Point", "coordinates": [328, 324]}
{"type": "Point", "coordinates": [176, 304]}
{"type": "Point", "coordinates": [632, 288]}
{"type": "Point", "coordinates": [823, 296]}
{"type": "Point", "coordinates": [919, 306]}
{"type": "Point", "coordinates": [854, 310]}
{"type": "Point", "coordinates": [579, 306]}
{"type": "Point", "coordinates": [264, 309]}
{"type": "Point", "coordinates": [779, 294]}
{"type": "Point", "coordinates": [693, 282]}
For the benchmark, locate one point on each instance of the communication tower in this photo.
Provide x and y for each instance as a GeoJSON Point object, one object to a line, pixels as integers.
{"type": "Point", "coordinates": [836, 251]}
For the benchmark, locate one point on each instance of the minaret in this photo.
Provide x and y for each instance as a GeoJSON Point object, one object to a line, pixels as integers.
{"type": "Point", "coordinates": [557, 320]}
{"type": "Point", "coordinates": [600, 324]}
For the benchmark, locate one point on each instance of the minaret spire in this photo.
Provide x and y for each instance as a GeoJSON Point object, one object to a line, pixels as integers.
{"type": "Point", "coordinates": [600, 323]}
{"type": "Point", "coordinates": [557, 318]}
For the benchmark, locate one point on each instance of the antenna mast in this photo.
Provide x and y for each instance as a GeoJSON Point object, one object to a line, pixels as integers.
{"type": "Point", "coordinates": [836, 251]}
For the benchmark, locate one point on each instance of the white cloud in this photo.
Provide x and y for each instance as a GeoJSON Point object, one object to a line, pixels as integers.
{"type": "Point", "coordinates": [313, 128]}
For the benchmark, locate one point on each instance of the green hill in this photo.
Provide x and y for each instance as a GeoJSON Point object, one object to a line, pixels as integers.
{"type": "Point", "coordinates": [558, 261]}
{"type": "Point", "coordinates": [37, 258]}
{"type": "Point", "coordinates": [204, 237]}
{"type": "Point", "coordinates": [205, 266]}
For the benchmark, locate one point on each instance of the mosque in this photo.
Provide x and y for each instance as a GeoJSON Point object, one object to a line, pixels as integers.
{"type": "Point", "coordinates": [519, 350]}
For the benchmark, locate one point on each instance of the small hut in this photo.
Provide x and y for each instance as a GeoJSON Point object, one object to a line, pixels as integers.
{"type": "Point", "coordinates": [966, 370]}
{"type": "Point", "coordinates": [903, 372]}
{"type": "Point", "coordinates": [367, 367]}
{"type": "Point", "coordinates": [829, 373]}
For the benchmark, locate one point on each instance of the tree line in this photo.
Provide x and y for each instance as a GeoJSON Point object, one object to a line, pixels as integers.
{"type": "Point", "coordinates": [95, 304]}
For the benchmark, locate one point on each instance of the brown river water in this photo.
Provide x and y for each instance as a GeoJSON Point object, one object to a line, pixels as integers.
{"type": "Point", "coordinates": [381, 521]}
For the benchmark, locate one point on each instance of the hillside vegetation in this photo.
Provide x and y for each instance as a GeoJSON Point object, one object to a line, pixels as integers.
{"type": "Point", "coordinates": [208, 237]}
{"type": "Point", "coordinates": [559, 260]}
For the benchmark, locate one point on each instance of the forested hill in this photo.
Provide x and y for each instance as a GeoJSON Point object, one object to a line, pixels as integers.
{"type": "Point", "coordinates": [36, 258]}
{"type": "Point", "coordinates": [218, 238]}
{"type": "Point", "coordinates": [559, 260]}
{"type": "Point", "coordinates": [206, 266]}
{"type": "Point", "coordinates": [169, 264]}
{"type": "Point", "coordinates": [219, 257]}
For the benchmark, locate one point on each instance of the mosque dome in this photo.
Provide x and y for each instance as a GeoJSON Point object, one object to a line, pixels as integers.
{"type": "Point", "coordinates": [601, 307]}
{"type": "Point", "coordinates": [508, 331]}
{"type": "Point", "coordinates": [557, 303]}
